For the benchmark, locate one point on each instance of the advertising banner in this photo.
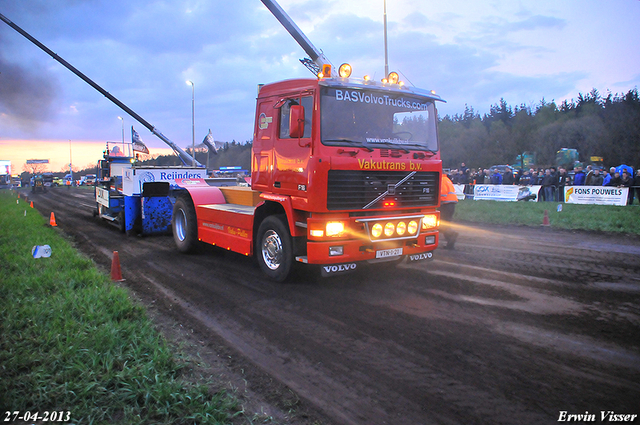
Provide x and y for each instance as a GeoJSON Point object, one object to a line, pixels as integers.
{"type": "Point", "coordinates": [134, 178]}
{"type": "Point", "coordinates": [599, 195]}
{"type": "Point", "coordinates": [5, 166]}
{"type": "Point", "coordinates": [496, 192]}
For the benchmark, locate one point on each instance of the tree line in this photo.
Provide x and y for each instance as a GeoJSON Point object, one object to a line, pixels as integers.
{"type": "Point", "coordinates": [607, 127]}
{"type": "Point", "coordinates": [230, 154]}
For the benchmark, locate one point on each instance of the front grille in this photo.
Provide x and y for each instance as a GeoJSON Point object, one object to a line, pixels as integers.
{"type": "Point", "coordinates": [354, 189]}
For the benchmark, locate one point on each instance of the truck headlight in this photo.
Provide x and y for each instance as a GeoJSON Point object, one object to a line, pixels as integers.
{"type": "Point", "coordinates": [335, 228]}
{"type": "Point", "coordinates": [429, 221]}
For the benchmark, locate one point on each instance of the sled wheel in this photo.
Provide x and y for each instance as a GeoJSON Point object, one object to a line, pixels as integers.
{"type": "Point", "coordinates": [185, 225]}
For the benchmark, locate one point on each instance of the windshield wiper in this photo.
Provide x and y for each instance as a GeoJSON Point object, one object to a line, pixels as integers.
{"type": "Point", "coordinates": [351, 143]}
{"type": "Point", "coordinates": [394, 146]}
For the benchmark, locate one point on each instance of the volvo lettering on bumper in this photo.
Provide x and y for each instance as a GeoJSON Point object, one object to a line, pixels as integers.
{"type": "Point", "coordinates": [421, 256]}
{"type": "Point", "coordinates": [333, 269]}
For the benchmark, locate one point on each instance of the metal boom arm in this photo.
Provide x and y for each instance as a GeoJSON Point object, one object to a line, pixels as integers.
{"type": "Point", "coordinates": [314, 53]}
{"type": "Point", "coordinates": [184, 157]}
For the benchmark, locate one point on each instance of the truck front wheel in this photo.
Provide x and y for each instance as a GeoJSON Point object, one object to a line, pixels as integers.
{"type": "Point", "coordinates": [185, 225]}
{"type": "Point", "coordinates": [274, 248]}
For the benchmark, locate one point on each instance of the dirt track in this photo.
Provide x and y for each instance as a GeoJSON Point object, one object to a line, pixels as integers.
{"type": "Point", "coordinates": [513, 327]}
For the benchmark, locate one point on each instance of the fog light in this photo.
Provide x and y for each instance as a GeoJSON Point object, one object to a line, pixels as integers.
{"type": "Point", "coordinates": [429, 240]}
{"type": "Point", "coordinates": [336, 250]}
{"type": "Point", "coordinates": [316, 233]}
{"type": "Point", "coordinates": [389, 228]}
{"type": "Point", "coordinates": [413, 227]}
{"type": "Point", "coordinates": [402, 228]}
{"type": "Point", "coordinates": [376, 230]}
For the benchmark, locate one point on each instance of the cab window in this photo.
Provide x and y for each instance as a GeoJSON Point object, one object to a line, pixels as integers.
{"type": "Point", "coordinates": [307, 103]}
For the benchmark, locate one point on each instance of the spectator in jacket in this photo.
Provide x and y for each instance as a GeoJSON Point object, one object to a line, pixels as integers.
{"type": "Point", "coordinates": [548, 185]}
{"type": "Point", "coordinates": [607, 176]}
{"type": "Point", "coordinates": [508, 177]}
{"type": "Point", "coordinates": [627, 181]}
{"type": "Point", "coordinates": [589, 176]}
{"type": "Point", "coordinates": [487, 177]}
{"type": "Point", "coordinates": [615, 180]}
{"type": "Point", "coordinates": [448, 201]}
{"type": "Point", "coordinates": [496, 177]}
{"type": "Point", "coordinates": [636, 183]}
{"type": "Point", "coordinates": [579, 177]}
{"type": "Point", "coordinates": [562, 181]}
{"type": "Point", "coordinates": [525, 179]}
{"type": "Point", "coordinates": [596, 178]}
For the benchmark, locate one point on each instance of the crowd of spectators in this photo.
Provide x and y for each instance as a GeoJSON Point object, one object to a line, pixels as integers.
{"type": "Point", "coordinates": [552, 180]}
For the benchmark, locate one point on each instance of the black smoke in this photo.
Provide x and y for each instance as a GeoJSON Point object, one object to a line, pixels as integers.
{"type": "Point", "coordinates": [28, 91]}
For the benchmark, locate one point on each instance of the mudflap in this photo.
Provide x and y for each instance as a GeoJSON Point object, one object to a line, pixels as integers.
{"type": "Point", "coordinates": [337, 269]}
{"type": "Point", "coordinates": [428, 256]}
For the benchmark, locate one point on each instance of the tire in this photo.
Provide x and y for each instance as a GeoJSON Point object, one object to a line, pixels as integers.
{"type": "Point", "coordinates": [121, 223]}
{"type": "Point", "coordinates": [274, 248]}
{"type": "Point", "coordinates": [184, 224]}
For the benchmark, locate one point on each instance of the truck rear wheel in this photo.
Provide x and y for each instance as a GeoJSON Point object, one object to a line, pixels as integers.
{"type": "Point", "coordinates": [185, 225]}
{"type": "Point", "coordinates": [274, 248]}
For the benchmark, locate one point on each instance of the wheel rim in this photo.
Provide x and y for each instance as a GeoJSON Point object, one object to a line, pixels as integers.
{"type": "Point", "coordinates": [272, 250]}
{"type": "Point", "coordinates": [180, 225]}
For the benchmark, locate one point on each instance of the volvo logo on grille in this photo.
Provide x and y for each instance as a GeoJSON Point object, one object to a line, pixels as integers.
{"type": "Point", "coordinates": [391, 189]}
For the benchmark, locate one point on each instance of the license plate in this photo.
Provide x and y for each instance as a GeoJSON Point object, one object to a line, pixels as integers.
{"type": "Point", "coordinates": [384, 253]}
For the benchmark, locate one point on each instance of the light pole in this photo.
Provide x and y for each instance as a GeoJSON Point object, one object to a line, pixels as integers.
{"type": "Point", "coordinates": [193, 122]}
{"type": "Point", "coordinates": [122, 119]}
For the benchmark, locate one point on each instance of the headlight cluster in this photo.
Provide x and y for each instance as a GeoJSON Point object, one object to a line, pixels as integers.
{"type": "Point", "coordinates": [392, 229]}
{"type": "Point", "coordinates": [332, 229]}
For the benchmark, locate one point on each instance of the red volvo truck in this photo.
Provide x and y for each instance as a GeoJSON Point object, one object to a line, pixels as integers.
{"type": "Point", "coordinates": [344, 172]}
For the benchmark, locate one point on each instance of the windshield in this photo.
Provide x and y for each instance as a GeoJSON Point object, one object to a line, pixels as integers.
{"type": "Point", "coordinates": [377, 119]}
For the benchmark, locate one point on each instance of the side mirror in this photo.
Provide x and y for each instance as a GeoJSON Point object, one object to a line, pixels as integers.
{"type": "Point", "coordinates": [296, 121]}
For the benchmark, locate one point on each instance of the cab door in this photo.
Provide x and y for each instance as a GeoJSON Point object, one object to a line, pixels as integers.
{"type": "Point", "coordinates": [266, 128]}
{"type": "Point", "coordinates": [291, 151]}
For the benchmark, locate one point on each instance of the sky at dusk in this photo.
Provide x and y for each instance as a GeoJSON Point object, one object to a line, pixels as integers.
{"type": "Point", "coordinates": [470, 52]}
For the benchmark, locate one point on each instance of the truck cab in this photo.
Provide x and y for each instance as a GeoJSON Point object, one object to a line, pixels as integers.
{"type": "Point", "coordinates": [344, 172]}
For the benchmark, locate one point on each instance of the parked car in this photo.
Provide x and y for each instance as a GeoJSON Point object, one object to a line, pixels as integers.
{"type": "Point", "coordinates": [501, 168]}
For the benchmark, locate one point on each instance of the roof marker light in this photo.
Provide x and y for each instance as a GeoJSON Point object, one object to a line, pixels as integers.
{"type": "Point", "coordinates": [326, 70]}
{"type": "Point", "coordinates": [345, 70]}
{"type": "Point", "coordinates": [393, 77]}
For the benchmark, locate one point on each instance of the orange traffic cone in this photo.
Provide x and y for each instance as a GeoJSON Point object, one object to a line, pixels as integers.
{"type": "Point", "coordinates": [116, 273]}
{"type": "Point", "coordinates": [545, 219]}
{"type": "Point", "coordinates": [31, 204]}
{"type": "Point", "coordinates": [52, 220]}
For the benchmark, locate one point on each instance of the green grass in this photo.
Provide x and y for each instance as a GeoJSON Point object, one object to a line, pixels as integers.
{"type": "Point", "coordinates": [70, 340]}
{"type": "Point", "coordinates": [606, 218]}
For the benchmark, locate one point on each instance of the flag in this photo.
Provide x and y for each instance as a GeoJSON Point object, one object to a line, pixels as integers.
{"type": "Point", "coordinates": [209, 143]}
{"type": "Point", "coordinates": [136, 142]}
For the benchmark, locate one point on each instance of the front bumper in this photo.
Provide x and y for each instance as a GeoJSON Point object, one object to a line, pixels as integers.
{"type": "Point", "coordinates": [356, 250]}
